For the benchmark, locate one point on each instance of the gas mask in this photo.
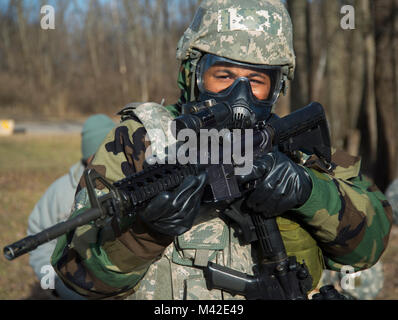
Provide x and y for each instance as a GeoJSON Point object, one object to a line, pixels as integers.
{"type": "Point", "coordinates": [250, 90]}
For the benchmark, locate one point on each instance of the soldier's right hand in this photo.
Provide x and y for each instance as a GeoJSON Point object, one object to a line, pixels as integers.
{"type": "Point", "coordinates": [173, 213]}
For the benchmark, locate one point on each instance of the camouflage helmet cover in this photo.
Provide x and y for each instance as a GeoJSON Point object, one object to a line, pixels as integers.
{"type": "Point", "coordinates": [251, 31]}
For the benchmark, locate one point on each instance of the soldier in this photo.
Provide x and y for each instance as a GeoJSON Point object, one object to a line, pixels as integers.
{"type": "Point", "coordinates": [55, 204]}
{"type": "Point", "coordinates": [240, 52]}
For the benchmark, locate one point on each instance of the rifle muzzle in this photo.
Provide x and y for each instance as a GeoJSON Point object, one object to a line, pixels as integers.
{"type": "Point", "coordinates": [20, 247]}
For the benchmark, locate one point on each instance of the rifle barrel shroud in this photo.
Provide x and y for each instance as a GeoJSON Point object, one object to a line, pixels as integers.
{"type": "Point", "coordinates": [141, 188]}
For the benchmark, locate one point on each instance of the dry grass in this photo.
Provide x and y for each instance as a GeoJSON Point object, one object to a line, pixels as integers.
{"type": "Point", "coordinates": [28, 165]}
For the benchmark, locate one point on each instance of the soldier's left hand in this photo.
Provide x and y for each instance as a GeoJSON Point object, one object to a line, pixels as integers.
{"type": "Point", "coordinates": [173, 213]}
{"type": "Point", "coordinates": [281, 185]}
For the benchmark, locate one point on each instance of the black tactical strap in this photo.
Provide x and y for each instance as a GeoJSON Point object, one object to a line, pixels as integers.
{"type": "Point", "coordinates": [127, 112]}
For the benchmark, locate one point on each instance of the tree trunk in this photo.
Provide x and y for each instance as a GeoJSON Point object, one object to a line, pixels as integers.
{"type": "Point", "coordinates": [385, 88]}
{"type": "Point", "coordinates": [395, 55]}
{"type": "Point", "coordinates": [355, 76]}
{"type": "Point", "coordinates": [120, 49]}
{"type": "Point", "coordinates": [300, 85]}
{"type": "Point", "coordinates": [368, 116]}
{"type": "Point", "coordinates": [318, 50]}
{"type": "Point", "coordinates": [91, 34]}
{"type": "Point", "coordinates": [335, 95]}
{"type": "Point", "coordinates": [6, 39]}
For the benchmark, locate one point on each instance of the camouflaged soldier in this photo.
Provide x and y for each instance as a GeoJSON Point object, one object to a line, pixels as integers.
{"type": "Point", "coordinates": [233, 50]}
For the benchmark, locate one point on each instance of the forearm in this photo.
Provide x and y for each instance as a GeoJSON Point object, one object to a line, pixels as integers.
{"type": "Point", "coordinates": [90, 260]}
{"type": "Point", "coordinates": [351, 220]}
{"type": "Point", "coordinates": [97, 265]}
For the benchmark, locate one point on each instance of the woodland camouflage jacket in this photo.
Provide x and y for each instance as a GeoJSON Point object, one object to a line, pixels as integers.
{"type": "Point", "coordinates": [346, 221]}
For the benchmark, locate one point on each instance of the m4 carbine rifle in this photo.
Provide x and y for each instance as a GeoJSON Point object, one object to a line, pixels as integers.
{"type": "Point", "coordinates": [277, 276]}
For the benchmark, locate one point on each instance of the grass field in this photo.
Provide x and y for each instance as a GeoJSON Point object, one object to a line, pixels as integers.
{"type": "Point", "coordinates": [28, 165]}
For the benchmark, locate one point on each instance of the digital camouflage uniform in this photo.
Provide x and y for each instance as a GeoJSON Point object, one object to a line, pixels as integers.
{"type": "Point", "coordinates": [346, 220]}
{"type": "Point", "coordinates": [361, 285]}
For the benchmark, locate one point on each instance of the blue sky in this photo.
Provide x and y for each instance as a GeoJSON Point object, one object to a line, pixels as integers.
{"type": "Point", "coordinates": [36, 3]}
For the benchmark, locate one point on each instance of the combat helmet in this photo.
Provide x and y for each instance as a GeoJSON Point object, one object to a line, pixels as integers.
{"type": "Point", "coordinates": [250, 31]}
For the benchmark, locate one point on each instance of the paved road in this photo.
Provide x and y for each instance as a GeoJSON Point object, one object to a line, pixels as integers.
{"type": "Point", "coordinates": [65, 127]}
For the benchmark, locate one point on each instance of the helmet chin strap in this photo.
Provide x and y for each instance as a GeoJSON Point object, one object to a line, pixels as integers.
{"type": "Point", "coordinates": [194, 57]}
{"type": "Point", "coordinates": [283, 89]}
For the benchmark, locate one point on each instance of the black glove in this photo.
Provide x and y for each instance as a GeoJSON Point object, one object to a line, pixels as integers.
{"type": "Point", "coordinates": [281, 185]}
{"type": "Point", "coordinates": [173, 213]}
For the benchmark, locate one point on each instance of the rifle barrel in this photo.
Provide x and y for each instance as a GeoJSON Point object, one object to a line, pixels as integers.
{"type": "Point", "coordinates": [30, 243]}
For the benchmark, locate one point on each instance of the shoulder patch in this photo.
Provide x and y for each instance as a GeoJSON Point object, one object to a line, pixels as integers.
{"type": "Point", "coordinates": [128, 112]}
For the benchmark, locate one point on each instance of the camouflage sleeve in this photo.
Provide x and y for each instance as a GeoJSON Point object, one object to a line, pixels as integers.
{"type": "Point", "coordinates": [90, 260]}
{"type": "Point", "coordinates": [348, 215]}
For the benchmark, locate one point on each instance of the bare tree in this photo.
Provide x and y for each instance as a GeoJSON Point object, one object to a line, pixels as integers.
{"type": "Point", "coordinates": [335, 94]}
{"type": "Point", "coordinates": [91, 39]}
{"type": "Point", "coordinates": [120, 49]}
{"type": "Point", "coordinates": [300, 94]}
{"type": "Point", "coordinates": [136, 36]}
{"type": "Point", "coordinates": [5, 28]}
{"type": "Point", "coordinates": [355, 78]}
{"type": "Point", "coordinates": [318, 49]}
{"type": "Point", "coordinates": [368, 117]}
{"type": "Point", "coordinates": [385, 86]}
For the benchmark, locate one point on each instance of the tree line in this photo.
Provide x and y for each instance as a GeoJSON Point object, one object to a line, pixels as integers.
{"type": "Point", "coordinates": [104, 54]}
{"type": "Point", "coordinates": [354, 74]}
{"type": "Point", "coordinates": [100, 56]}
